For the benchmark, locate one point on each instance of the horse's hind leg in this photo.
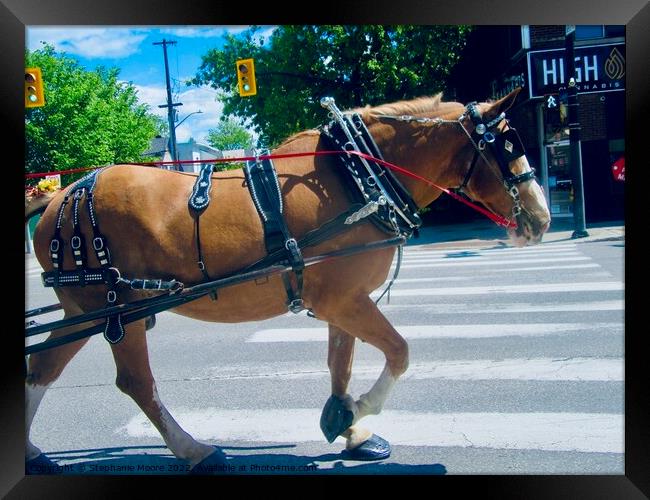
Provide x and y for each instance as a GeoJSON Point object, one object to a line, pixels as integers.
{"type": "Point", "coordinates": [43, 368]}
{"type": "Point", "coordinates": [362, 319]}
{"type": "Point", "coordinates": [134, 378]}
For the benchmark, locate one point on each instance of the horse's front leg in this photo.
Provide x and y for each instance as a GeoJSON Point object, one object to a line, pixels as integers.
{"type": "Point", "coordinates": [341, 410]}
{"type": "Point", "coordinates": [362, 319]}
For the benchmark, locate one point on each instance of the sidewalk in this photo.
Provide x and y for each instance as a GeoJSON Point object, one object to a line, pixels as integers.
{"type": "Point", "coordinates": [486, 234]}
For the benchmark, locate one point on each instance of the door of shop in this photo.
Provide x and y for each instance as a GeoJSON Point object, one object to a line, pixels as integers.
{"type": "Point", "coordinates": [559, 179]}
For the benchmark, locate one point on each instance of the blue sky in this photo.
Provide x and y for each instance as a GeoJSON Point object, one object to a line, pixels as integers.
{"type": "Point", "coordinates": [131, 49]}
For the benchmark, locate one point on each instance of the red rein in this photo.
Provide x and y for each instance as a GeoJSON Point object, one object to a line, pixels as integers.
{"type": "Point", "coordinates": [498, 219]}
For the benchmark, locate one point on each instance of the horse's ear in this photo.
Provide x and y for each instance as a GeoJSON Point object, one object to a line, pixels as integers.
{"type": "Point", "coordinates": [502, 105]}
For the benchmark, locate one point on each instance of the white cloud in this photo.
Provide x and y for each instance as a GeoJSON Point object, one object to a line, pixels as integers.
{"type": "Point", "coordinates": [265, 34]}
{"type": "Point", "coordinates": [194, 99]}
{"type": "Point", "coordinates": [88, 42]}
{"type": "Point", "coordinates": [202, 32]}
{"type": "Point", "coordinates": [153, 96]}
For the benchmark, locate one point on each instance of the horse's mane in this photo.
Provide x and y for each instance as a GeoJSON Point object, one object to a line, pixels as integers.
{"type": "Point", "coordinates": [432, 106]}
{"type": "Point", "coordinates": [420, 105]}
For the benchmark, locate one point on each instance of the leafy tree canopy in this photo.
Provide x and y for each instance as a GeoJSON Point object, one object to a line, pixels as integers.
{"type": "Point", "coordinates": [230, 134]}
{"type": "Point", "coordinates": [357, 65]}
{"type": "Point", "coordinates": [89, 118]}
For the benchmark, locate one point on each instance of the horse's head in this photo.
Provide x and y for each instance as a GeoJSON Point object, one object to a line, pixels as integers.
{"type": "Point", "coordinates": [495, 171]}
{"type": "Point", "coordinates": [471, 147]}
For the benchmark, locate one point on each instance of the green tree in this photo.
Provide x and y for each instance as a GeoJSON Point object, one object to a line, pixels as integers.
{"type": "Point", "coordinates": [230, 134]}
{"type": "Point", "coordinates": [357, 65]}
{"type": "Point", "coordinates": [89, 118]}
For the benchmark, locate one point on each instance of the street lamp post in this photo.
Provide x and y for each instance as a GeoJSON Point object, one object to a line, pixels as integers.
{"type": "Point", "coordinates": [193, 113]}
{"type": "Point", "coordinates": [580, 230]}
{"type": "Point", "coordinates": [178, 166]}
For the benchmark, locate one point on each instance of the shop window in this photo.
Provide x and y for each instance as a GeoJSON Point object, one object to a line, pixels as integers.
{"type": "Point", "coordinates": [559, 179]}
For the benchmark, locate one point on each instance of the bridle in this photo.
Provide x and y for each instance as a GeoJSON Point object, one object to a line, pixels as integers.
{"type": "Point", "coordinates": [506, 146]}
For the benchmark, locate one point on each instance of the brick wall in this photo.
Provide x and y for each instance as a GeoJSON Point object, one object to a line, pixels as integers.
{"type": "Point", "coordinates": [547, 36]}
{"type": "Point", "coordinates": [592, 117]}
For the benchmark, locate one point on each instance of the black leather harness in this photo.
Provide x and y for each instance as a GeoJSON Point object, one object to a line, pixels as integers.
{"type": "Point", "coordinates": [388, 204]}
{"type": "Point", "coordinates": [264, 187]}
{"type": "Point", "coordinates": [376, 196]}
{"type": "Point", "coordinates": [83, 275]}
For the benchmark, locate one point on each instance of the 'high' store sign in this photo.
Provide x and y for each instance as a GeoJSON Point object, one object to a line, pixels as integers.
{"type": "Point", "coordinates": [599, 68]}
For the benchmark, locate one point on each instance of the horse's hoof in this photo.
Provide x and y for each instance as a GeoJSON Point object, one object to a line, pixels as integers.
{"type": "Point", "coordinates": [212, 464]}
{"type": "Point", "coordinates": [374, 448]}
{"type": "Point", "coordinates": [42, 465]}
{"type": "Point", "coordinates": [335, 418]}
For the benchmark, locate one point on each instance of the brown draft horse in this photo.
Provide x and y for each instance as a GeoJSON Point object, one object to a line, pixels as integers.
{"type": "Point", "coordinates": [144, 214]}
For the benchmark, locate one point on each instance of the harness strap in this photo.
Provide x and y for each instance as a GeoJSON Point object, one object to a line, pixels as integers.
{"type": "Point", "coordinates": [201, 262]}
{"type": "Point", "coordinates": [77, 242]}
{"type": "Point", "coordinates": [99, 241]}
{"type": "Point", "coordinates": [198, 203]}
{"type": "Point", "coordinates": [56, 244]}
{"type": "Point", "coordinates": [397, 191]}
{"type": "Point", "coordinates": [469, 173]}
{"type": "Point", "coordinates": [264, 187]}
{"type": "Point", "coordinates": [398, 265]}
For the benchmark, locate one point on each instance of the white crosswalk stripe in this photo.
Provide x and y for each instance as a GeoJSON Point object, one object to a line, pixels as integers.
{"type": "Point", "coordinates": [441, 331]}
{"type": "Point", "coordinates": [583, 432]}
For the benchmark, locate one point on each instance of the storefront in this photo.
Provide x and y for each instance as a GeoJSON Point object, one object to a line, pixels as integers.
{"type": "Point", "coordinates": [600, 79]}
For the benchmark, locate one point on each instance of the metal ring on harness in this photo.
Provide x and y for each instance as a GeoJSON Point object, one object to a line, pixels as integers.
{"type": "Point", "coordinates": [290, 244]}
{"type": "Point", "coordinates": [118, 277]}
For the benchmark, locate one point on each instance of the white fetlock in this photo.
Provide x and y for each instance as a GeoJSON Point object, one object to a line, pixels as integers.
{"type": "Point", "coordinates": [372, 402]}
{"type": "Point", "coordinates": [356, 436]}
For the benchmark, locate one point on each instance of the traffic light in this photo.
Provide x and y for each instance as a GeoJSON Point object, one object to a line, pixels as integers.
{"type": "Point", "coordinates": [34, 96]}
{"type": "Point", "coordinates": [552, 109]}
{"type": "Point", "coordinates": [246, 77]}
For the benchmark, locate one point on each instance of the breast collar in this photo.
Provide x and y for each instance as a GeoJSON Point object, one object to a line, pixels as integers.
{"type": "Point", "coordinates": [386, 201]}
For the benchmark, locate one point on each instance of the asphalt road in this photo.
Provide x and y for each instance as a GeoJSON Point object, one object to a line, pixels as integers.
{"type": "Point", "coordinates": [516, 368]}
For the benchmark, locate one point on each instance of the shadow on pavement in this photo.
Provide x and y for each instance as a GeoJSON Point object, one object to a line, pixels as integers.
{"type": "Point", "coordinates": [254, 460]}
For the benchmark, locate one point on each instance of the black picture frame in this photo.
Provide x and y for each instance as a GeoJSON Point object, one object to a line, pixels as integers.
{"type": "Point", "coordinates": [15, 15]}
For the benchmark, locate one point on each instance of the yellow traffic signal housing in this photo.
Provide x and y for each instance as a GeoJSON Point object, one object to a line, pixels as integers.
{"type": "Point", "coordinates": [246, 77]}
{"type": "Point", "coordinates": [34, 96]}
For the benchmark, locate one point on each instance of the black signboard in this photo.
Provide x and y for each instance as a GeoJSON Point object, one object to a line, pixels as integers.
{"type": "Point", "coordinates": [599, 68]}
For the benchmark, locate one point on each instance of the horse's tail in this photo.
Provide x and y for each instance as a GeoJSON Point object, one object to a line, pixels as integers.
{"type": "Point", "coordinates": [37, 203]}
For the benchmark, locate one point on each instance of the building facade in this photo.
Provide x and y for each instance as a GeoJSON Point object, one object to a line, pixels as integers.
{"type": "Point", "coordinates": [187, 151]}
{"type": "Point", "coordinates": [498, 59]}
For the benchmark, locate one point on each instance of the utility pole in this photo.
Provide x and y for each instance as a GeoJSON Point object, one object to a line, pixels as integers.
{"type": "Point", "coordinates": [170, 106]}
{"type": "Point", "coordinates": [580, 230]}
